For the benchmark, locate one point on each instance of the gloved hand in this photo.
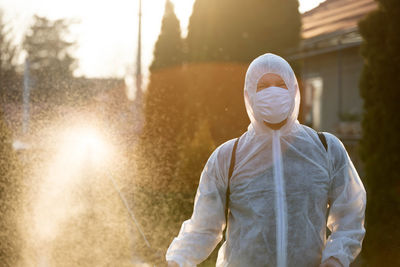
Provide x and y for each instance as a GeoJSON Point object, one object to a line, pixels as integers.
{"type": "Point", "coordinates": [331, 262]}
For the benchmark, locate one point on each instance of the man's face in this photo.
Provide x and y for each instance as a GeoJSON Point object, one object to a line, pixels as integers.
{"type": "Point", "coordinates": [270, 79]}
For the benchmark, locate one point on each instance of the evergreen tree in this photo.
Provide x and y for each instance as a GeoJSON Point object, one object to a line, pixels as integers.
{"type": "Point", "coordinates": [164, 116]}
{"type": "Point", "coordinates": [168, 49]}
{"type": "Point", "coordinates": [202, 32]}
{"type": "Point", "coordinates": [214, 94]}
{"type": "Point", "coordinates": [51, 64]}
{"type": "Point", "coordinates": [164, 97]}
{"type": "Point", "coordinates": [9, 198]}
{"type": "Point", "coordinates": [193, 156]}
{"type": "Point", "coordinates": [380, 147]}
{"type": "Point", "coordinates": [158, 148]}
{"type": "Point", "coordinates": [237, 30]}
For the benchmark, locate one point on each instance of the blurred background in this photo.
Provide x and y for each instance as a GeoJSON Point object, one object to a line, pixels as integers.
{"type": "Point", "coordinates": [109, 111]}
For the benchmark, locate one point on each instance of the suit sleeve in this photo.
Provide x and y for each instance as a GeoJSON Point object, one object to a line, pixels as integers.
{"type": "Point", "coordinates": [347, 201]}
{"type": "Point", "coordinates": [200, 234]}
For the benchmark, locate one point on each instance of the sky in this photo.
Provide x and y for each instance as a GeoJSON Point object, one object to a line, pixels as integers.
{"type": "Point", "coordinates": [106, 31]}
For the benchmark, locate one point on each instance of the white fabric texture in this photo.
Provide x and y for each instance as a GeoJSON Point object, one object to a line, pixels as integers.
{"type": "Point", "coordinates": [272, 105]}
{"type": "Point", "coordinates": [281, 187]}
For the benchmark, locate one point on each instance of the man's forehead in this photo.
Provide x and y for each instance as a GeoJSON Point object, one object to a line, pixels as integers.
{"type": "Point", "coordinates": [265, 76]}
{"type": "Point", "coordinates": [270, 75]}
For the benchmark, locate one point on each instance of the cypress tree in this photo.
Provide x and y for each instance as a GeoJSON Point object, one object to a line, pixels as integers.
{"type": "Point", "coordinates": [163, 114]}
{"type": "Point", "coordinates": [163, 98]}
{"type": "Point", "coordinates": [193, 156]}
{"type": "Point", "coordinates": [237, 30]}
{"type": "Point", "coordinates": [380, 144]}
{"type": "Point", "coordinates": [202, 30]}
{"type": "Point", "coordinates": [168, 49]}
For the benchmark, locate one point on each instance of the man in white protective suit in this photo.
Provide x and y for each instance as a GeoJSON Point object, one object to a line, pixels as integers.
{"type": "Point", "coordinates": [284, 185]}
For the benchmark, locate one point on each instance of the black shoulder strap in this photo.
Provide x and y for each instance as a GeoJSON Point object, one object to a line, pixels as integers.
{"type": "Point", "coordinates": [228, 190]}
{"type": "Point", "coordinates": [233, 159]}
{"type": "Point", "coordinates": [323, 140]}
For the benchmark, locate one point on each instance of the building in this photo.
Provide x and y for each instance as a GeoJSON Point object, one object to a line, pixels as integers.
{"type": "Point", "coordinates": [331, 67]}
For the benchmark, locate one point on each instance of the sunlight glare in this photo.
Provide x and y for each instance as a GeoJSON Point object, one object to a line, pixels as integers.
{"type": "Point", "coordinates": [77, 150]}
{"type": "Point", "coordinates": [84, 145]}
{"type": "Point", "coordinates": [306, 5]}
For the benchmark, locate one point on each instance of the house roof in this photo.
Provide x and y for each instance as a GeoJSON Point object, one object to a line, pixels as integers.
{"type": "Point", "coordinates": [335, 15]}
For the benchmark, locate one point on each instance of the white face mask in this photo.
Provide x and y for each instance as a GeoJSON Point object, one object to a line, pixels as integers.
{"type": "Point", "coordinates": [272, 104]}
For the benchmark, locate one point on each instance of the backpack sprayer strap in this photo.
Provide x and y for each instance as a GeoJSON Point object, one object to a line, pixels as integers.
{"type": "Point", "coordinates": [323, 140]}
{"type": "Point", "coordinates": [228, 191]}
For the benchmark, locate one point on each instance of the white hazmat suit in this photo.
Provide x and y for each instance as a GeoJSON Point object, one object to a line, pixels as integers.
{"type": "Point", "coordinates": [285, 190]}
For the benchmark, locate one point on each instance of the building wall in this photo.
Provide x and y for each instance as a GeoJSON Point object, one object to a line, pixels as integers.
{"type": "Point", "coordinates": [352, 64]}
{"type": "Point", "coordinates": [339, 73]}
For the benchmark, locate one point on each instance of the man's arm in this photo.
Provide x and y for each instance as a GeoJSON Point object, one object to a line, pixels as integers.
{"type": "Point", "coordinates": [203, 231]}
{"type": "Point", "coordinates": [347, 200]}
